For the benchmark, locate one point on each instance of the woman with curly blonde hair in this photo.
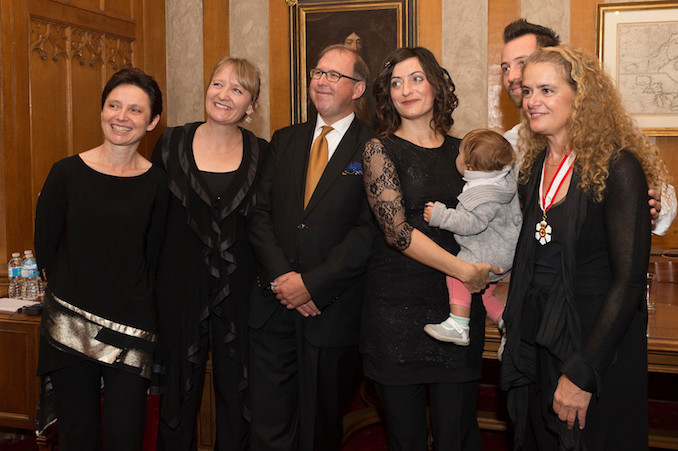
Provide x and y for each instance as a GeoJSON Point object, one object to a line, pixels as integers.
{"type": "Point", "coordinates": [599, 125]}
{"type": "Point", "coordinates": [575, 362]}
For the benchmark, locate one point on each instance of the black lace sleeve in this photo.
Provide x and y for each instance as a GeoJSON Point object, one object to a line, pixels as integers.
{"type": "Point", "coordinates": [385, 196]}
{"type": "Point", "coordinates": [628, 231]}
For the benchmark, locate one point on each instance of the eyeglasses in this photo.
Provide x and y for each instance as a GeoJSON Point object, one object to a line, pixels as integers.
{"type": "Point", "coordinates": [331, 75]}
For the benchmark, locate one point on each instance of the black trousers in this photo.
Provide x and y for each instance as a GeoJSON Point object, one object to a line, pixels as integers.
{"type": "Point", "coordinates": [454, 424]}
{"type": "Point", "coordinates": [231, 414]}
{"type": "Point", "coordinates": [298, 391]}
{"type": "Point", "coordinates": [77, 390]}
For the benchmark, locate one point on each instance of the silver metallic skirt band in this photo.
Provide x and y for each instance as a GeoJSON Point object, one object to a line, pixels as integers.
{"type": "Point", "coordinates": [72, 328]}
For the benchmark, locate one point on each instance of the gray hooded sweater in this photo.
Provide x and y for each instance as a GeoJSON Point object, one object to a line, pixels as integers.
{"type": "Point", "coordinates": [487, 220]}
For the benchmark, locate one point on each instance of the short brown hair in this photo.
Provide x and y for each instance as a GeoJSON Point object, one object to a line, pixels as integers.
{"type": "Point", "coordinates": [486, 150]}
{"type": "Point", "coordinates": [360, 70]}
{"type": "Point", "coordinates": [135, 77]}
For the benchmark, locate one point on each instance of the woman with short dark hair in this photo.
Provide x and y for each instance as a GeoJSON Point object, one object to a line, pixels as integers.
{"type": "Point", "coordinates": [99, 223]}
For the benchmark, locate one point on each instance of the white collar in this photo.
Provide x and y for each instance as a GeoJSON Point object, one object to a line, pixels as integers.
{"type": "Point", "coordinates": [475, 178]}
{"type": "Point", "coordinates": [340, 126]}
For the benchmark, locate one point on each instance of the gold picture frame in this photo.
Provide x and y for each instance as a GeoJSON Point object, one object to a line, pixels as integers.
{"type": "Point", "coordinates": [637, 43]}
{"type": "Point", "coordinates": [383, 26]}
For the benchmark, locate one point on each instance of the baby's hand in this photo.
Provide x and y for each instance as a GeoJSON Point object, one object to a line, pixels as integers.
{"type": "Point", "coordinates": [428, 211]}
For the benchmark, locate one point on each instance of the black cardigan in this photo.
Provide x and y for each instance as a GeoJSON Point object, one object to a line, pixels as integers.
{"type": "Point", "coordinates": [206, 266]}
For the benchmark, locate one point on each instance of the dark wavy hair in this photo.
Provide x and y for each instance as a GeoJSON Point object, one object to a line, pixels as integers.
{"type": "Point", "coordinates": [138, 78]}
{"type": "Point", "coordinates": [444, 99]}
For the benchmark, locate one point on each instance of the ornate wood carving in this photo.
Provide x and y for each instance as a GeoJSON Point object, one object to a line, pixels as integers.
{"type": "Point", "coordinates": [119, 52]}
{"type": "Point", "coordinates": [45, 35]}
{"type": "Point", "coordinates": [55, 40]}
{"type": "Point", "coordinates": [92, 42]}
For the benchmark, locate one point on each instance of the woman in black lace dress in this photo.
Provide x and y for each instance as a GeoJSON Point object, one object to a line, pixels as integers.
{"type": "Point", "coordinates": [412, 162]}
{"type": "Point", "coordinates": [575, 362]}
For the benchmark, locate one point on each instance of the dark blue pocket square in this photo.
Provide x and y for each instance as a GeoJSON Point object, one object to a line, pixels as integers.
{"type": "Point", "coordinates": [353, 168]}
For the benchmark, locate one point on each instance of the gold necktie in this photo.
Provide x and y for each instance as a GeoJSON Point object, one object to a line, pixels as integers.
{"type": "Point", "coordinates": [317, 160]}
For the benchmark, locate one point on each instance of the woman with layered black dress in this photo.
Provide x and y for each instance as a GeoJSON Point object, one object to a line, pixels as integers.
{"type": "Point", "coordinates": [206, 268]}
{"type": "Point", "coordinates": [575, 362]}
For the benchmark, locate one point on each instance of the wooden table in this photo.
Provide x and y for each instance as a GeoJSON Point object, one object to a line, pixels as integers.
{"type": "Point", "coordinates": [662, 326]}
{"type": "Point", "coordinates": [19, 385]}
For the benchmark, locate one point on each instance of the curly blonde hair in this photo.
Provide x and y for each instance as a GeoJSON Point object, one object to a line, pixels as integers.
{"type": "Point", "coordinates": [598, 127]}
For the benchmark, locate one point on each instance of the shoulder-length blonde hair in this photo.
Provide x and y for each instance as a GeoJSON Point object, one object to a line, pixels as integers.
{"type": "Point", "coordinates": [598, 127]}
{"type": "Point", "coordinates": [245, 72]}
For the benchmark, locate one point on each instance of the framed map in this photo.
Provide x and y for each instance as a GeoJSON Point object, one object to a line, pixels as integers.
{"type": "Point", "coordinates": [638, 46]}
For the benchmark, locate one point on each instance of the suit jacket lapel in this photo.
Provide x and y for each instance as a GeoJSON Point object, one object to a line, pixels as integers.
{"type": "Point", "coordinates": [303, 147]}
{"type": "Point", "coordinates": [340, 159]}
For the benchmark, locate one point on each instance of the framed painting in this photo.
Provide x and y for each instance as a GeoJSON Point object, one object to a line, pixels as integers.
{"type": "Point", "coordinates": [638, 46]}
{"type": "Point", "coordinates": [373, 28]}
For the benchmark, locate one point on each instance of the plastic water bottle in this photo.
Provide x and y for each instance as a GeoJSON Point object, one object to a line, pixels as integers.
{"type": "Point", "coordinates": [14, 275]}
{"type": "Point", "coordinates": [29, 274]}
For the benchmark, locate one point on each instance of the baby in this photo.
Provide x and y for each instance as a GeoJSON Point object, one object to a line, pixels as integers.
{"type": "Point", "coordinates": [485, 223]}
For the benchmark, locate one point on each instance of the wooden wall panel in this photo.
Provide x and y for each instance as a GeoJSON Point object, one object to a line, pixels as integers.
{"type": "Point", "coordinates": [279, 57]}
{"type": "Point", "coordinates": [118, 7]}
{"type": "Point", "coordinates": [583, 24]}
{"type": "Point", "coordinates": [215, 43]}
{"type": "Point", "coordinates": [3, 116]}
{"type": "Point", "coordinates": [88, 78]}
{"type": "Point", "coordinates": [49, 94]}
{"type": "Point", "coordinates": [429, 26]}
{"type": "Point", "coordinates": [113, 8]}
{"type": "Point", "coordinates": [16, 136]}
{"type": "Point", "coordinates": [150, 55]}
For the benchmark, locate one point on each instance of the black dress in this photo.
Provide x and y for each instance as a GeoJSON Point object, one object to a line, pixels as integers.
{"type": "Point", "coordinates": [205, 275]}
{"type": "Point", "coordinates": [402, 295]}
{"type": "Point", "coordinates": [576, 306]}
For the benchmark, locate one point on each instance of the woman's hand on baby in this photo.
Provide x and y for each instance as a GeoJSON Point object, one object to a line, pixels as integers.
{"type": "Point", "coordinates": [428, 211]}
{"type": "Point", "coordinates": [478, 277]}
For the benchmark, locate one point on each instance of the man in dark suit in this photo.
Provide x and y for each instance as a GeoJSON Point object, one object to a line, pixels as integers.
{"type": "Point", "coordinates": [311, 242]}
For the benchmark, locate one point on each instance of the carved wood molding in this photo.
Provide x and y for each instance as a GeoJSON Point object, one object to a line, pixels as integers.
{"type": "Point", "coordinates": [54, 40]}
